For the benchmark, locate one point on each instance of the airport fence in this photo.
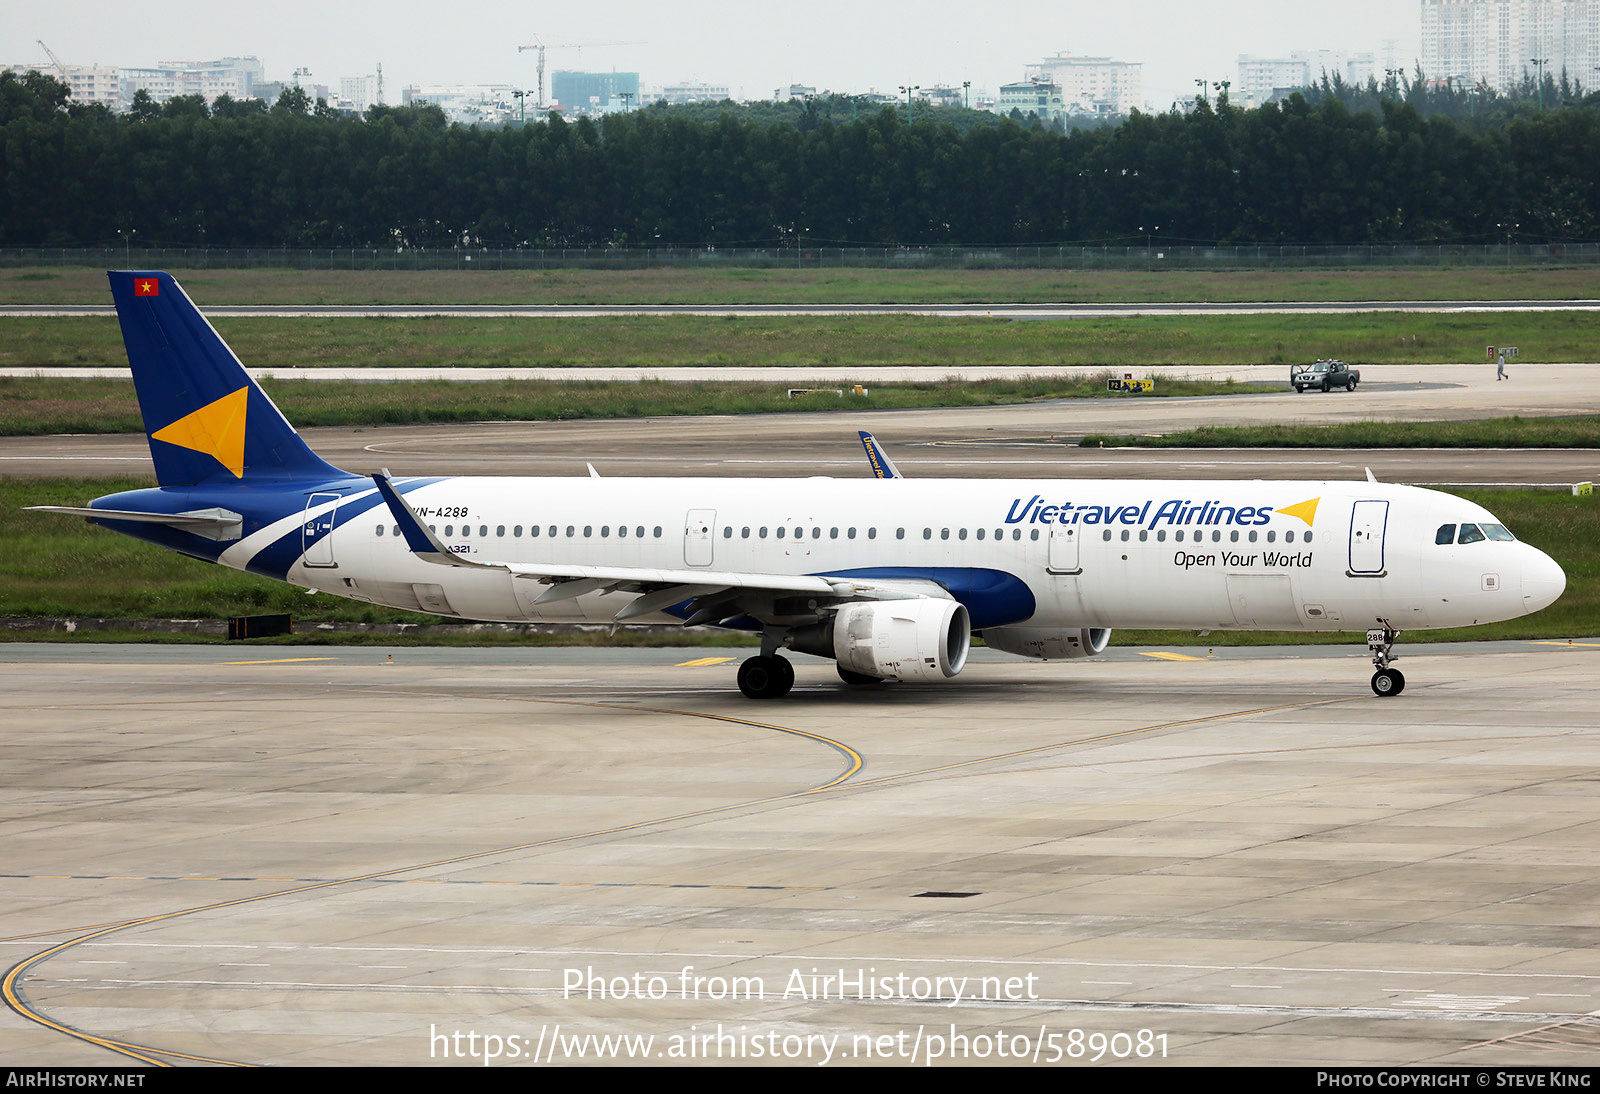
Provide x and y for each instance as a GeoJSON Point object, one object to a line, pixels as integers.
{"type": "Point", "coordinates": [1274, 256]}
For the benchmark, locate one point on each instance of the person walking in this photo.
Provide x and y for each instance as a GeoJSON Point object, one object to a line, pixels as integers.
{"type": "Point", "coordinates": [1500, 369]}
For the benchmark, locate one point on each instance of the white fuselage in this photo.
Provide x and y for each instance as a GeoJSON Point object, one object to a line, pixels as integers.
{"type": "Point", "coordinates": [1142, 554]}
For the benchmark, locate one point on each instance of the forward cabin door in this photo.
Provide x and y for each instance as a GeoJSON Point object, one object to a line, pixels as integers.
{"type": "Point", "coordinates": [1368, 519]}
{"type": "Point", "coordinates": [699, 540]}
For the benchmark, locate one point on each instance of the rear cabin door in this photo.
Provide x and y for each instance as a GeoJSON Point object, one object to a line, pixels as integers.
{"type": "Point", "coordinates": [316, 531]}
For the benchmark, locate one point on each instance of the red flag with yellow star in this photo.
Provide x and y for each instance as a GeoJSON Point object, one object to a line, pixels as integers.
{"type": "Point", "coordinates": [146, 286]}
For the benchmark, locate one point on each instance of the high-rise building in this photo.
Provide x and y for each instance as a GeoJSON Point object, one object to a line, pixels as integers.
{"type": "Point", "coordinates": [89, 83]}
{"type": "Point", "coordinates": [1261, 79]}
{"type": "Point", "coordinates": [594, 92]}
{"type": "Point", "coordinates": [1096, 85]}
{"type": "Point", "coordinates": [233, 76]}
{"type": "Point", "coordinates": [1501, 42]}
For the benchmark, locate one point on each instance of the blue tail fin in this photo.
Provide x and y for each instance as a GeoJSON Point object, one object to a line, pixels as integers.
{"type": "Point", "coordinates": [206, 419]}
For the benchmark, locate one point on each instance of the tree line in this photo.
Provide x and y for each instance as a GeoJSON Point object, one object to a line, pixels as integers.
{"type": "Point", "coordinates": [1313, 169]}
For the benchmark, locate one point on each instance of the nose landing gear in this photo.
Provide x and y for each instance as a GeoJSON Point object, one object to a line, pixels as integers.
{"type": "Point", "coordinates": [1386, 681]}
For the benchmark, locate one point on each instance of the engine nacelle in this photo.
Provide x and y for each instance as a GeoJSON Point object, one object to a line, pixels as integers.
{"type": "Point", "coordinates": [1047, 643]}
{"type": "Point", "coordinates": [922, 640]}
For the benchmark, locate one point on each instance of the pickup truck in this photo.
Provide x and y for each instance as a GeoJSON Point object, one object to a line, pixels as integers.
{"type": "Point", "coordinates": [1325, 375]}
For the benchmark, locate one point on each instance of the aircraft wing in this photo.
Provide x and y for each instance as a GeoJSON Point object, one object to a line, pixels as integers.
{"type": "Point", "coordinates": [711, 595]}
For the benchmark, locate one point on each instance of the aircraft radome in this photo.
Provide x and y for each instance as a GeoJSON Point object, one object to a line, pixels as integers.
{"type": "Point", "coordinates": [887, 576]}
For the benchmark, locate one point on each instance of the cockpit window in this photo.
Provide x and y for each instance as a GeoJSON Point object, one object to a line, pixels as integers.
{"type": "Point", "coordinates": [1470, 533]}
{"type": "Point", "coordinates": [1498, 531]}
{"type": "Point", "coordinates": [1446, 534]}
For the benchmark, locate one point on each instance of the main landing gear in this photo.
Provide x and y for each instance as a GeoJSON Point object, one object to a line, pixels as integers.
{"type": "Point", "coordinates": [766, 677]}
{"type": "Point", "coordinates": [1386, 681]}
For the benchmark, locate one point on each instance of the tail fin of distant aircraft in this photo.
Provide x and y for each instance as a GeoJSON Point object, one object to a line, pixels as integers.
{"type": "Point", "coordinates": [882, 466]}
{"type": "Point", "coordinates": [205, 418]}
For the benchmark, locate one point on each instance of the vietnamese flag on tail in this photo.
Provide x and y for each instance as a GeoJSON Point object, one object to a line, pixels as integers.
{"type": "Point", "coordinates": [146, 286]}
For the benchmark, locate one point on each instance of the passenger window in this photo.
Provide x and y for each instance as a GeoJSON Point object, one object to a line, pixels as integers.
{"type": "Point", "coordinates": [658, 531]}
{"type": "Point", "coordinates": [1033, 534]}
{"type": "Point", "coordinates": [1308, 537]}
{"type": "Point", "coordinates": [1106, 535]}
{"type": "Point", "coordinates": [961, 534]}
{"type": "Point", "coordinates": [1124, 535]}
{"type": "Point", "coordinates": [899, 533]}
{"type": "Point", "coordinates": [981, 531]}
{"type": "Point", "coordinates": [780, 531]}
{"type": "Point", "coordinates": [1445, 535]}
{"type": "Point", "coordinates": [380, 529]}
{"type": "Point", "coordinates": [744, 533]}
{"type": "Point", "coordinates": [1216, 536]}
{"type": "Point", "coordinates": [1272, 537]}
{"type": "Point", "coordinates": [727, 533]}
{"type": "Point", "coordinates": [1288, 537]}
{"type": "Point", "coordinates": [850, 533]}
{"type": "Point", "coordinates": [483, 530]}
{"type": "Point", "coordinates": [1143, 535]}
{"type": "Point", "coordinates": [1471, 534]}
{"type": "Point", "coordinates": [622, 531]}
{"type": "Point", "coordinates": [872, 533]}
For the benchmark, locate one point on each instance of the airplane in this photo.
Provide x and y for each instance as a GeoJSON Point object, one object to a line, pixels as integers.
{"type": "Point", "coordinates": [889, 577]}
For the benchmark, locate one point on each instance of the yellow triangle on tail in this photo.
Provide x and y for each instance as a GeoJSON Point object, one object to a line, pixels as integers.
{"type": "Point", "coordinates": [216, 429]}
{"type": "Point", "coordinates": [1305, 510]}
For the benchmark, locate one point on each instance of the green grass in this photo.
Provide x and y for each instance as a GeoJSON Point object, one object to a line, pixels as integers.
{"type": "Point", "coordinates": [63, 567]}
{"type": "Point", "coordinates": [852, 341]}
{"type": "Point", "coordinates": [1514, 432]}
{"type": "Point", "coordinates": [31, 406]}
{"type": "Point", "coordinates": [83, 285]}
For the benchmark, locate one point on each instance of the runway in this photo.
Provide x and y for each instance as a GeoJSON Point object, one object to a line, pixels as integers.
{"type": "Point", "coordinates": [983, 310]}
{"type": "Point", "coordinates": [300, 856]}
{"type": "Point", "coordinates": [1031, 440]}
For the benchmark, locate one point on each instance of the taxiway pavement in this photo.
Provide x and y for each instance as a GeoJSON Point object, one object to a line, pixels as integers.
{"type": "Point", "coordinates": [310, 856]}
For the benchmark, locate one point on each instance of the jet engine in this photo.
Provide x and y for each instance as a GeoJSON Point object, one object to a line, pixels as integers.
{"type": "Point", "coordinates": [1048, 643]}
{"type": "Point", "coordinates": [925, 639]}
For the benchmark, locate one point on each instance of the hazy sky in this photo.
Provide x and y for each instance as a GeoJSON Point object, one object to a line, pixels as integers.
{"type": "Point", "coordinates": [843, 45]}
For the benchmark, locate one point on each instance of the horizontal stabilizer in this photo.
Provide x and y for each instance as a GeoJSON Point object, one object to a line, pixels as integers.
{"type": "Point", "coordinates": [218, 524]}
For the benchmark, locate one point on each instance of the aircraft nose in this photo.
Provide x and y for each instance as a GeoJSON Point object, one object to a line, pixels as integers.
{"type": "Point", "coordinates": [1543, 581]}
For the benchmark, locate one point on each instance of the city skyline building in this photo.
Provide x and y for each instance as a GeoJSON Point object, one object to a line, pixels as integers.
{"type": "Point", "coordinates": [1499, 43]}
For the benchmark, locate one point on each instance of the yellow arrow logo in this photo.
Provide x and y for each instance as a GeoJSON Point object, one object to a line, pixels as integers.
{"type": "Point", "coordinates": [216, 429]}
{"type": "Point", "coordinates": [1305, 510]}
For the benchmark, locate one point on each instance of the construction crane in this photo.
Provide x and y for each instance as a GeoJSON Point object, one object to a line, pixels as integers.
{"type": "Point", "coordinates": [541, 47]}
{"type": "Point", "coordinates": [61, 68]}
